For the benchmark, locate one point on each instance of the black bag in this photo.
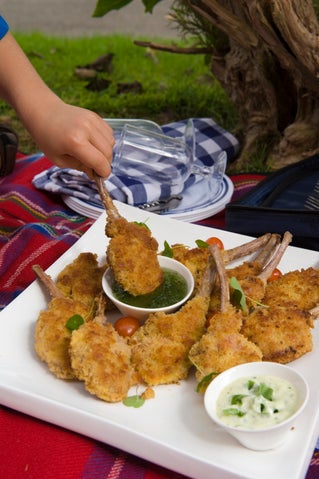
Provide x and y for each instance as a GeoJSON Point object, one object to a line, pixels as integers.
{"type": "Point", "coordinates": [8, 149]}
{"type": "Point", "coordinates": [287, 200]}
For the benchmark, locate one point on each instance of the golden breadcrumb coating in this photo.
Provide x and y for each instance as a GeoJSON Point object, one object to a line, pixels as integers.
{"type": "Point", "coordinates": [223, 346]}
{"type": "Point", "coordinates": [194, 259]}
{"type": "Point", "coordinates": [52, 337]}
{"type": "Point", "coordinates": [132, 255]}
{"type": "Point", "coordinates": [159, 360]}
{"type": "Point", "coordinates": [299, 289]}
{"type": "Point", "coordinates": [160, 347]}
{"type": "Point", "coordinates": [282, 334]}
{"type": "Point", "coordinates": [81, 280]}
{"type": "Point", "coordinates": [102, 359]}
{"type": "Point", "coordinates": [215, 353]}
{"type": "Point", "coordinates": [228, 321]}
{"type": "Point", "coordinates": [185, 325]}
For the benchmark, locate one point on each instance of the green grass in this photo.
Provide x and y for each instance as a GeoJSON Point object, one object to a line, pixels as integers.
{"type": "Point", "coordinates": [174, 86]}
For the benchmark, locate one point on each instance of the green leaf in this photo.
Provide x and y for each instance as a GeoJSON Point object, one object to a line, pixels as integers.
{"type": "Point", "coordinates": [266, 391]}
{"type": "Point", "coordinates": [250, 384]}
{"type": "Point", "coordinates": [74, 322]}
{"type": "Point", "coordinates": [238, 296]}
{"type": "Point", "coordinates": [142, 224]}
{"type": "Point", "coordinates": [149, 5]}
{"type": "Point", "coordinates": [134, 401]}
{"type": "Point", "coordinates": [237, 399]}
{"type": "Point", "coordinates": [232, 411]}
{"type": "Point", "coordinates": [201, 244]}
{"type": "Point", "coordinates": [205, 381]}
{"type": "Point", "coordinates": [167, 250]}
{"type": "Point", "coordinates": [103, 7]}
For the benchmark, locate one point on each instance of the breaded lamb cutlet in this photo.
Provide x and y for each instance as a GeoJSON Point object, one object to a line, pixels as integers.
{"type": "Point", "coordinates": [52, 337]}
{"type": "Point", "coordinates": [282, 334]}
{"type": "Point", "coordinates": [160, 347]}
{"type": "Point", "coordinates": [195, 259]}
{"type": "Point", "coordinates": [222, 346]}
{"type": "Point", "coordinates": [81, 279]}
{"type": "Point", "coordinates": [101, 358]}
{"type": "Point", "coordinates": [132, 252]}
{"type": "Point", "coordinates": [282, 325]}
{"type": "Point", "coordinates": [75, 293]}
{"type": "Point", "coordinates": [298, 289]}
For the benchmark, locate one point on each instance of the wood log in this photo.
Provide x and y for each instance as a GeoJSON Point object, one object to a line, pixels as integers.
{"type": "Point", "coordinates": [269, 66]}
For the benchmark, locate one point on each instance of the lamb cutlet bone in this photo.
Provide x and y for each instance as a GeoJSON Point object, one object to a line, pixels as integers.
{"type": "Point", "coordinates": [253, 284]}
{"type": "Point", "coordinates": [245, 249]}
{"type": "Point", "coordinates": [222, 345]}
{"type": "Point", "coordinates": [50, 285]}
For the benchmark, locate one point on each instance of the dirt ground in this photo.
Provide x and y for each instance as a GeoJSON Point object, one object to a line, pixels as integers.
{"type": "Point", "coordinates": [73, 18]}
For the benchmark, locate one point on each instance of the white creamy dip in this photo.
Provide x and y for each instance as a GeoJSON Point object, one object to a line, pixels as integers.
{"type": "Point", "coordinates": [257, 402]}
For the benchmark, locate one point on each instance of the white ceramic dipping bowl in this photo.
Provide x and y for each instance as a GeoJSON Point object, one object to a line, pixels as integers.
{"type": "Point", "coordinates": [143, 313]}
{"type": "Point", "coordinates": [258, 439]}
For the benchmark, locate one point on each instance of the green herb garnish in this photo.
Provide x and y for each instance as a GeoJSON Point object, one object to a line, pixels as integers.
{"type": "Point", "coordinates": [232, 411]}
{"type": "Point", "coordinates": [168, 251]}
{"type": "Point", "coordinates": [237, 399]}
{"type": "Point", "coordinates": [202, 385]}
{"type": "Point", "coordinates": [266, 391]}
{"type": "Point", "coordinates": [201, 244]}
{"type": "Point", "coordinates": [238, 296]}
{"type": "Point", "coordinates": [134, 401]}
{"type": "Point", "coordinates": [250, 384]}
{"type": "Point", "coordinates": [74, 322]}
{"type": "Point", "coordinates": [141, 223]}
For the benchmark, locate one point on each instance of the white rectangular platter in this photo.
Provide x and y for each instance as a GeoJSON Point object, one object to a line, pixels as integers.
{"type": "Point", "coordinates": [172, 429]}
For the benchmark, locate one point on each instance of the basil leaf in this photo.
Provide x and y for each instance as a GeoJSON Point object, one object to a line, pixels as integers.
{"type": "Point", "coordinates": [238, 296]}
{"type": "Point", "coordinates": [237, 399]}
{"type": "Point", "coordinates": [167, 250]}
{"type": "Point", "coordinates": [205, 381]}
{"type": "Point", "coordinates": [201, 244]}
{"type": "Point", "coordinates": [266, 391]}
{"type": "Point", "coordinates": [232, 411]}
{"type": "Point", "coordinates": [140, 223]}
{"type": "Point", "coordinates": [74, 322]}
{"type": "Point", "coordinates": [134, 401]}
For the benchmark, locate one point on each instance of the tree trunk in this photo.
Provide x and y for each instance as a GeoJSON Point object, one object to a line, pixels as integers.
{"type": "Point", "coordinates": [269, 68]}
{"type": "Point", "coordinates": [270, 71]}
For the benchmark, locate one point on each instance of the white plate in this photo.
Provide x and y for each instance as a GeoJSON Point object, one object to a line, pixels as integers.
{"type": "Point", "coordinates": [195, 205]}
{"type": "Point", "coordinates": [172, 429]}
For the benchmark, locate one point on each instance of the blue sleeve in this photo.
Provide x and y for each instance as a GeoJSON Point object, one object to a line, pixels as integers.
{"type": "Point", "coordinates": [4, 27]}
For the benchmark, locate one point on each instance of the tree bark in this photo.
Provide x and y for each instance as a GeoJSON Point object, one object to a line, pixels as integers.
{"type": "Point", "coordinates": [270, 69]}
{"type": "Point", "coordinates": [270, 72]}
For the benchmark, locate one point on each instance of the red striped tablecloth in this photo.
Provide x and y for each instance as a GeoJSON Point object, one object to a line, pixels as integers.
{"type": "Point", "coordinates": [36, 227]}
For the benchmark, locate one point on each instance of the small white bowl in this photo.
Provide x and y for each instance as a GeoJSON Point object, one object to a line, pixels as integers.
{"type": "Point", "coordinates": [143, 313]}
{"type": "Point", "coordinates": [268, 437]}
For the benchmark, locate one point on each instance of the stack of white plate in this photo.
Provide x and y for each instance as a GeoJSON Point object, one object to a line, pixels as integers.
{"type": "Point", "coordinates": [196, 204]}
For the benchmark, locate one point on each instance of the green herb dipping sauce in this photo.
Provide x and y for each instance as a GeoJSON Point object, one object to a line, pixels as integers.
{"type": "Point", "coordinates": [172, 290]}
{"type": "Point", "coordinates": [257, 402]}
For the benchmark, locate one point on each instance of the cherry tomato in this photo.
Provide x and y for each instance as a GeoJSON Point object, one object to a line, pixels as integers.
{"type": "Point", "coordinates": [126, 326]}
{"type": "Point", "coordinates": [275, 275]}
{"type": "Point", "coordinates": [218, 242]}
